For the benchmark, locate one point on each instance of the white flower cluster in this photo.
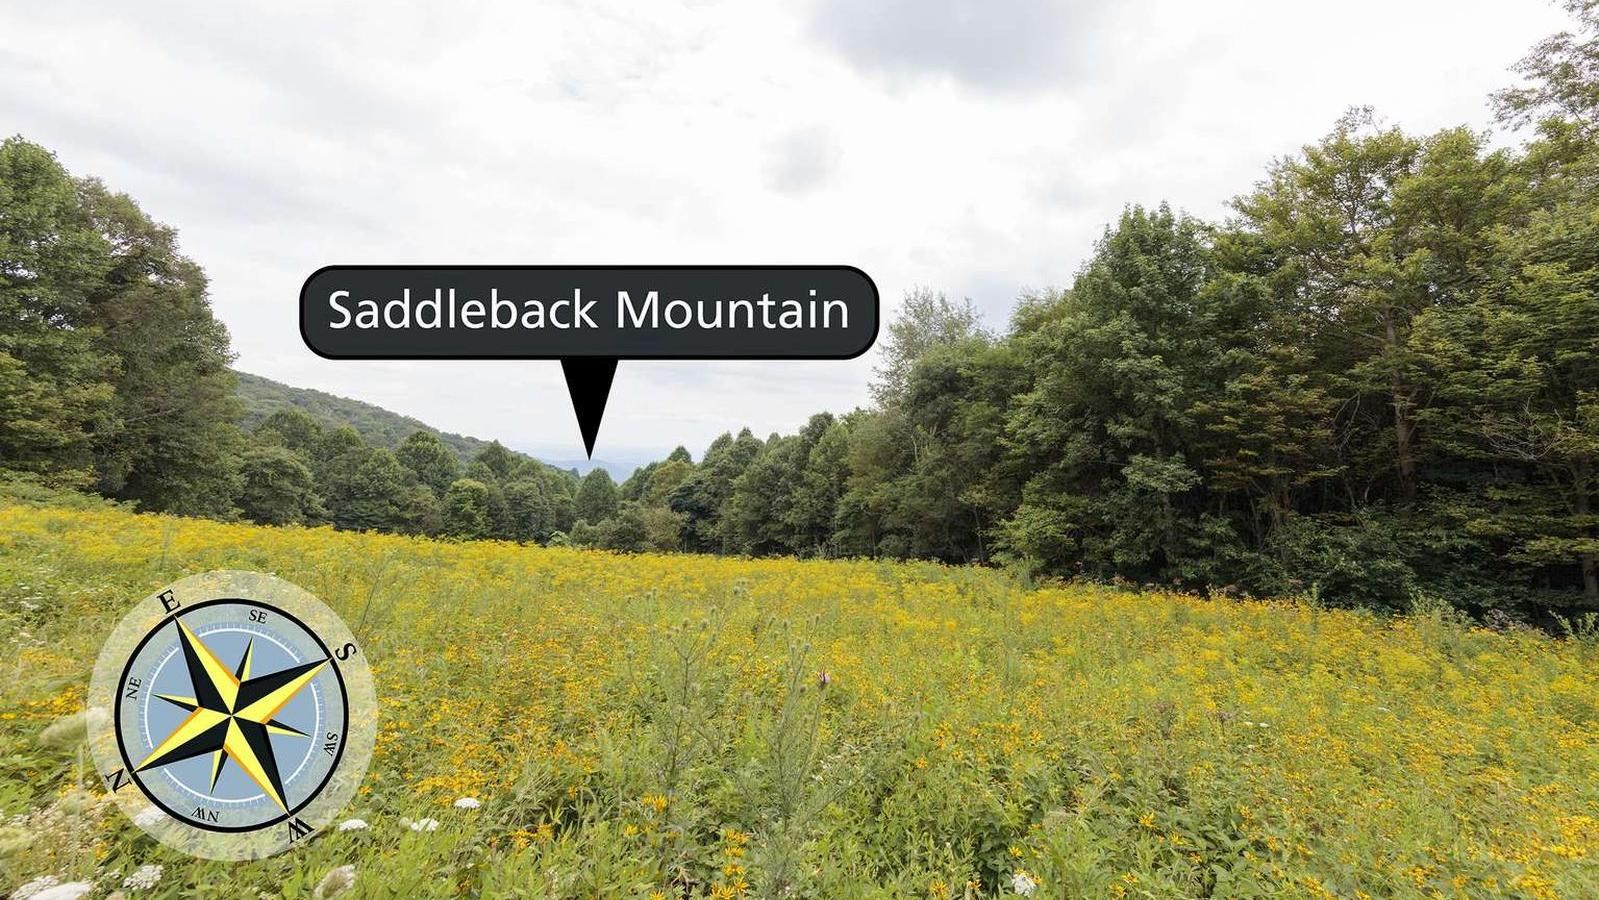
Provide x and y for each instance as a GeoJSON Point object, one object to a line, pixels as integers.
{"type": "Point", "coordinates": [336, 882]}
{"type": "Point", "coordinates": [49, 887]}
{"type": "Point", "coordinates": [143, 878]}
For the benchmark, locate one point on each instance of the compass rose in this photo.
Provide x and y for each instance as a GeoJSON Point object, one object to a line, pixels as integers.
{"type": "Point", "coordinates": [239, 715]}
{"type": "Point", "coordinates": [231, 715]}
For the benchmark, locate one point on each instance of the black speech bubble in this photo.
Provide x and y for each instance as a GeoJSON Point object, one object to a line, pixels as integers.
{"type": "Point", "coordinates": [589, 353]}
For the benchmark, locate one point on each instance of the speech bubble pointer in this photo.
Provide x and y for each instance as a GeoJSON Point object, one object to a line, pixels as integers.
{"type": "Point", "coordinates": [588, 381]}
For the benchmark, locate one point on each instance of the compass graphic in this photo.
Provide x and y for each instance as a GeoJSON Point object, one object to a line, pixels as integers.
{"type": "Point", "coordinates": [239, 714]}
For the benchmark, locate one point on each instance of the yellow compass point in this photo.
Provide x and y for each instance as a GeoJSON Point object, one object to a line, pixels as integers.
{"type": "Point", "coordinates": [239, 750]}
{"type": "Point", "coordinates": [190, 729]}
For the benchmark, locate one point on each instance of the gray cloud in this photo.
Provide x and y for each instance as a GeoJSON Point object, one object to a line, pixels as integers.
{"type": "Point", "coordinates": [995, 45]}
{"type": "Point", "coordinates": [803, 160]}
{"type": "Point", "coordinates": [238, 185]}
{"type": "Point", "coordinates": [310, 65]}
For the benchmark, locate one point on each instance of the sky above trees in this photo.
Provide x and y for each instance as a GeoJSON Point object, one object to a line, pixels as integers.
{"type": "Point", "coordinates": [980, 160]}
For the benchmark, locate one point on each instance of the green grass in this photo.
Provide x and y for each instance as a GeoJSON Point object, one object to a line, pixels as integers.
{"type": "Point", "coordinates": [661, 725]}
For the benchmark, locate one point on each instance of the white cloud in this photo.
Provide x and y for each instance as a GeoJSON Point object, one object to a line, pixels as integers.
{"type": "Point", "coordinates": [976, 155]}
{"type": "Point", "coordinates": [803, 160]}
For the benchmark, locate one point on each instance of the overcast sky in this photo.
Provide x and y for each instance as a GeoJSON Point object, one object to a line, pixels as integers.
{"type": "Point", "coordinates": [975, 146]}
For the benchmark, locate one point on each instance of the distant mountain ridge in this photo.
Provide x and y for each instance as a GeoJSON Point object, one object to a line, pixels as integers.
{"type": "Point", "coordinates": [261, 397]}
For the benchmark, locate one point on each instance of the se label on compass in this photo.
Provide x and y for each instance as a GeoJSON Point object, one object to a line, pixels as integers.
{"type": "Point", "coordinates": [232, 715]}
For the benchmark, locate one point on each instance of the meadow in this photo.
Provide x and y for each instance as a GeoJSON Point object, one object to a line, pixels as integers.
{"type": "Point", "coordinates": [686, 726]}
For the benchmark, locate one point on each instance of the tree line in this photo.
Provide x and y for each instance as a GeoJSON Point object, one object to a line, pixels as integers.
{"type": "Point", "coordinates": [114, 378]}
{"type": "Point", "coordinates": [1377, 378]}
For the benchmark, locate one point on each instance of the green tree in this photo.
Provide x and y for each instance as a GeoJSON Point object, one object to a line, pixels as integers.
{"type": "Point", "coordinates": [1520, 369]}
{"type": "Point", "coordinates": [597, 499]}
{"type": "Point", "coordinates": [559, 488]}
{"type": "Point", "coordinates": [172, 443]}
{"type": "Point", "coordinates": [1354, 274]}
{"type": "Point", "coordinates": [754, 518]}
{"type": "Point", "coordinates": [665, 480]}
{"type": "Point", "coordinates": [1563, 71]}
{"type": "Point", "coordinates": [528, 511]}
{"type": "Point", "coordinates": [433, 464]}
{"type": "Point", "coordinates": [637, 528]}
{"type": "Point", "coordinates": [424, 510]}
{"type": "Point", "coordinates": [53, 264]}
{"type": "Point", "coordinates": [111, 328]}
{"type": "Point", "coordinates": [702, 497]}
{"type": "Point", "coordinates": [879, 451]}
{"type": "Point", "coordinates": [654, 482]}
{"type": "Point", "coordinates": [37, 430]}
{"type": "Point", "coordinates": [291, 428]}
{"type": "Point", "coordinates": [497, 459]}
{"type": "Point", "coordinates": [1106, 427]}
{"type": "Point", "coordinates": [499, 512]}
{"type": "Point", "coordinates": [466, 509]}
{"type": "Point", "coordinates": [378, 495]}
{"type": "Point", "coordinates": [957, 487]}
{"type": "Point", "coordinates": [925, 320]}
{"type": "Point", "coordinates": [277, 488]}
{"type": "Point", "coordinates": [1266, 428]}
{"type": "Point", "coordinates": [338, 454]}
{"type": "Point", "coordinates": [634, 486]}
{"type": "Point", "coordinates": [811, 512]}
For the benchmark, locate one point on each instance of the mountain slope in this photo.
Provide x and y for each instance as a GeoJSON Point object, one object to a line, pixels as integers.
{"type": "Point", "coordinates": [261, 397]}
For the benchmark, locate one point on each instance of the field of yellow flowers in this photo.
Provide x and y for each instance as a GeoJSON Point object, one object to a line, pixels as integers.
{"type": "Point", "coordinates": [683, 726]}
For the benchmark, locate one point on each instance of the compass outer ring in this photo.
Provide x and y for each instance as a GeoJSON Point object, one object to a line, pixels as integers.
{"type": "Point", "coordinates": [324, 625]}
{"type": "Point", "coordinates": [241, 601]}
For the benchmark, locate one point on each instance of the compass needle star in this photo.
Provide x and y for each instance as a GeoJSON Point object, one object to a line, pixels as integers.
{"type": "Point", "coordinates": [232, 714]}
{"type": "Point", "coordinates": [241, 716]}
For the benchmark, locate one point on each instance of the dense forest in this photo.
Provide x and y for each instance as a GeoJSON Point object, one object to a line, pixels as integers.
{"type": "Point", "coordinates": [1377, 380]}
